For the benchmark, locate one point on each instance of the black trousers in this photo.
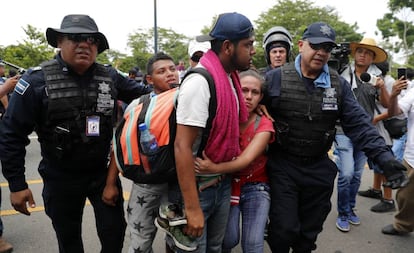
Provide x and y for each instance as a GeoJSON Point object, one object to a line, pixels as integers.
{"type": "Point", "coordinates": [64, 195]}
{"type": "Point", "coordinates": [300, 202]}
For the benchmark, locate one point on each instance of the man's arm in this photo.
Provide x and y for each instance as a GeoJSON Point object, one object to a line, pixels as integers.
{"type": "Point", "coordinates": [8, 85]}
{"type": "Point", "coordinates": [393, 108]}
{"type": "Point", "coordinates": [185, 137]}
{"type": "Point", "coordinates": [111, 192]}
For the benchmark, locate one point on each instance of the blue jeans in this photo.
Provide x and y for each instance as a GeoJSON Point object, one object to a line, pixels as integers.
{"type": "Point", "coordinates": [398, 147]}
{"type": "Point", "coordinates": [350, 164]}
{"type": "Point", "coordinates": [254, 208]}
{"type": "Point", "coordinates": [215, 203]}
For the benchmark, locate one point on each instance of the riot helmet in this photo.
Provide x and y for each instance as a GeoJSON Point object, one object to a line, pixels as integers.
{"type": "Point", "coordinates": [278, 36]}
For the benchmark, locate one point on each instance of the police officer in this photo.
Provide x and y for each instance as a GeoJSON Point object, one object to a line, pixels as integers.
{"type": "Point", "coordinates": [306, 98]}
{"type": "Point", "coordinates": [70, 102]}
{"type": "Point", "coordinates": [277, 44]}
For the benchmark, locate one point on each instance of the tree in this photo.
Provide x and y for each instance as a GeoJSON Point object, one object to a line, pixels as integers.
{"type": "Point", "coordinates": [295, 16]}
{"type": "Point", "coordinates": [397, 28]}
{"type": "Point", "coordinates": [31, 52]}
{"type": "Point", "coordinates": [142, 45]}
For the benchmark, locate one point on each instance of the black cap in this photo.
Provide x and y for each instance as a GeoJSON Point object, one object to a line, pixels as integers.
{"type": "Point", "coordinates": [77, 24]}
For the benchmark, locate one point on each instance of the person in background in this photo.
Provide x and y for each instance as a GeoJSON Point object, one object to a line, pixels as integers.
{"type": "Point", "coordinates": [4, 100]}
{"type": "Point", "coordinates": [277, 44]}
{"type": "Point", "coordinates": [398, 145]}
{"type": "Point", "coordinates": [386, 203]}
{"type": "Point", "coordinates": [349, 158]}
{"type": "Point", "coordinates": [5, 88]}
{"type": "Point", "coordinates": [195, 51]}
{"type": "Point", "coordinates": [306, 99]}
{"type": "Point", "coordinates": [404, 219]}
{"type": "Point", "coordinates": [135, 74]}
{"type": "Point", "coordinates": [70, 102]}
{"type": "Point", "coordinates": [181, 69]}
{"type": "Point", "coordinates": [206, 198]}
{"type": "Point", "coordinates": [250, 196]}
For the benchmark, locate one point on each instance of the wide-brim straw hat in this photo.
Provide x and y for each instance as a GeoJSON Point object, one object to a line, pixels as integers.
{"type": "Point", "coordinates": [368, 43]}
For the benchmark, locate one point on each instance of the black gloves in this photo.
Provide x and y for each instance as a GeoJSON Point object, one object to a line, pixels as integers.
{"type": "Point", "coordinates": [394, 171]}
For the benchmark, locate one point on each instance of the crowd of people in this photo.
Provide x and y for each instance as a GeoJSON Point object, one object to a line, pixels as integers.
{"type": "Point", "coordinates": [251, 146]}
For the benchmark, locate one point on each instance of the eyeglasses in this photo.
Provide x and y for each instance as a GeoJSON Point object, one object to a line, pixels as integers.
{"type": "Point", "coordinates": [327, 47]}
{"type": "Point", "coordinates": [91, 39]}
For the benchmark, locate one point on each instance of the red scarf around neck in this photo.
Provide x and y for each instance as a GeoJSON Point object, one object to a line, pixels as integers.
{"type": "Point", "coordinates": [223, 142]}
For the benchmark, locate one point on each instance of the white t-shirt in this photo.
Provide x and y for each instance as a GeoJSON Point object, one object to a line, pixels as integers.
{"type": "Point", "coordinates": [193, 101]}
{"type": "Point", "coordinates": [406, 104]}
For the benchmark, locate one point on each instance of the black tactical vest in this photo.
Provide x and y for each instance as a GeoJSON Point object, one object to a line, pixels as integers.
{"type": "Point", "coordinates": [303, 128]}
{"type": "Point", "coordinates": [69, 105]}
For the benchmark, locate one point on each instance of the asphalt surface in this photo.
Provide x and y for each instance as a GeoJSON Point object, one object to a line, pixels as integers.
{"type": "Point", "coordinates": [34, 233]}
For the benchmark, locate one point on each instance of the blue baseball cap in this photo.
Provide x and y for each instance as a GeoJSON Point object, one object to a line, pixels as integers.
{"type": "Point", "coordinates": [318, 33]}
{"type": "Point", "coordinates": [229, 26]}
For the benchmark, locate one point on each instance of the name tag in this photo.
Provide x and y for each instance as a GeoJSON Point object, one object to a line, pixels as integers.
{"type": "Point", "coordinates": [92, 126]}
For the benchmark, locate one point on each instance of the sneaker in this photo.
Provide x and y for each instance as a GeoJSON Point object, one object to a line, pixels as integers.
{"type": "Point", "coordinates": [354, 219]}
{"type": "Point", "coordinates": [342, 223]}
{"type": "Point", "coordinates": [5, 246]}
{"type": "Point", "coordinates": [384, 206]}
{"type": "Point", "coordinates": [181, 240]}
{"type": "Point", "coordinates": [371, 193]}
{"type": "Point", "coordinates": [173, 213]}
{"type": "Point", "coordinates": [390, 230]}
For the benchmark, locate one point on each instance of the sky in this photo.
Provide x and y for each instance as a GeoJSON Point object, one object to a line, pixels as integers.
{"type": "Point", "coordinates": [117, 19]}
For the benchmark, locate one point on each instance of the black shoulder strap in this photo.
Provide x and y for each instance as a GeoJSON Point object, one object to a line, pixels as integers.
{"type": "Point", "coordinates": [145, 101]}
{"type": "Point", "coordinates": [212, 104]}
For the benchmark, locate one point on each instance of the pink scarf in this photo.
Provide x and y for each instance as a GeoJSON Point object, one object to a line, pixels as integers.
{"type": "Point", "coordinates": [223, 142]}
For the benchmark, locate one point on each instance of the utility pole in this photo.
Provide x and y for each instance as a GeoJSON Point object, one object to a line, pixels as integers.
{"type": "Point", "coordinates": [155, 28]}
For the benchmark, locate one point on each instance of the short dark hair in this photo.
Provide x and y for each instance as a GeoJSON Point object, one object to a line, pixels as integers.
{"type": "Point", "coordinates": [156, 57]}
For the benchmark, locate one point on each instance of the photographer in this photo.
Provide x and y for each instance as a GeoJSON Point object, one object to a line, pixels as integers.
{"type": "Point", "coordinates": [350, 161]}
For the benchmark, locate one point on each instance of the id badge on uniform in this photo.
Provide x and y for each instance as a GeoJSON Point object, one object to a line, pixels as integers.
{"type": "Point", "coordinates": [329, 101]}
{"type": "Point", "coordinates": [92, 126]}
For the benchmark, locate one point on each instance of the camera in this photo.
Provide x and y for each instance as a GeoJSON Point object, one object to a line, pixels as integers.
{"type": "Point", "coordinates": [340, 57]}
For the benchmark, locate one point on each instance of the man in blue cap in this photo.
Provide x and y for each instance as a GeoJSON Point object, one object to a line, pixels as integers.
{"type": "Point", "coordinates": [70, 101]}
{"type": "Point", "coordinates": [306, 99]}
{"type": "Point", "coordinates": [207, 198]}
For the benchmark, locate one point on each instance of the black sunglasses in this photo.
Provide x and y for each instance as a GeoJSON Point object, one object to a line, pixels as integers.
{"type": "Point", "coordinates": [327, 47]}
{"type": "Point", "coordinates": [76, 37]}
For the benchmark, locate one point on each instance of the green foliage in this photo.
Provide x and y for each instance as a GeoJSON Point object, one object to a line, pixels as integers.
{"type": "Point", "coordinates": [142, 44]}
{"type": "Point", "coordinates": [295, 16]}
{"type": "Point", "coordinates": [397, 28]}
{"type": "Point", "coordinates": [29, 53]}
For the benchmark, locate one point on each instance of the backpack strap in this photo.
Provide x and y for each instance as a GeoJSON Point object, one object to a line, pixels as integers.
{"type": "Point", "coordinates": [257, 122]}
{"type": "Point", "coordinates": [212, 105]}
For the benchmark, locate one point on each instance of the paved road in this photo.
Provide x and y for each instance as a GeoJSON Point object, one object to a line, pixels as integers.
{"type": "Point", "coordinates": [35, 234]}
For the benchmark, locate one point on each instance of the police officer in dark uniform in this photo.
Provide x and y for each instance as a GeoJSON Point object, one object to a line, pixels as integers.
{"type": "Point", "coordinates": [70, 103]}
{"type": "Point", "coordinates": [306, 98]}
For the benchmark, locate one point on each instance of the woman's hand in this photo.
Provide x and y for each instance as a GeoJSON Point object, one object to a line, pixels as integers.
{"type": "Point", "coordinates": [205, 165]}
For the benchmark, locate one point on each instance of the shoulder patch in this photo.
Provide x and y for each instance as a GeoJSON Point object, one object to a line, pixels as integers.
{"type": "Point", "coordinates": [21, 86]}
{"type": "Point", "coordinates": [37, 68]}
